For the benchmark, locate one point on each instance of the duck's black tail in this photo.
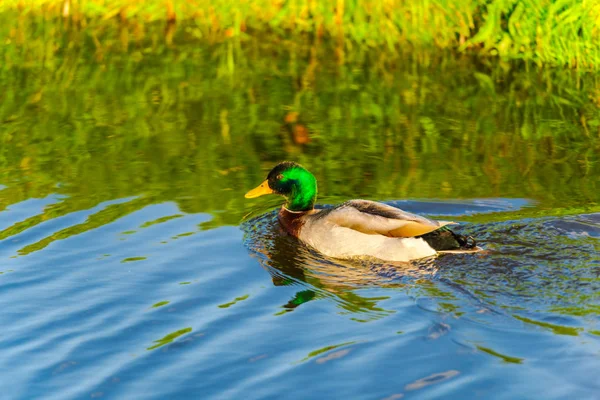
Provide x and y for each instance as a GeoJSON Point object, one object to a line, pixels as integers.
{"type": "Point", "coordinates": [444, 239]}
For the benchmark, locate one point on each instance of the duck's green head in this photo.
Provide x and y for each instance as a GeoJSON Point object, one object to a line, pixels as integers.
{"type": "Point", "coordinates": [291, 181]}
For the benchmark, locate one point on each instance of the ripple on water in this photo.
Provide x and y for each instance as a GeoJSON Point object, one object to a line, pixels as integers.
{"type": "Point", "coordinates": [84, 316]}
{"type": "Point", "coordinates": [539, 274]}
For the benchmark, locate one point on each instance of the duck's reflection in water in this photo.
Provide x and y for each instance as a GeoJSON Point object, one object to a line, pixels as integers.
{"type": "Point", "coordinates": [290, 262]}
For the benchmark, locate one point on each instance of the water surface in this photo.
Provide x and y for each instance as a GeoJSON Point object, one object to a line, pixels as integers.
{"type": "Point", "coordinates": [132, 266]}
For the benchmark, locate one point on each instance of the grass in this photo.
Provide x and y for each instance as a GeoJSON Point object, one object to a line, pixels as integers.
{"type": "Point", "coordinates": [549, 32]}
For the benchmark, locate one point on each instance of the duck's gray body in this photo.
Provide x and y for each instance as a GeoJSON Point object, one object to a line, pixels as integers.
{"type": "Point", "coordinates": [367, 228]}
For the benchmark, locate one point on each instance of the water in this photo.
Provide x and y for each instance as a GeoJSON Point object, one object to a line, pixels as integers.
{"type": "Point", "coordinates": [132, 266]}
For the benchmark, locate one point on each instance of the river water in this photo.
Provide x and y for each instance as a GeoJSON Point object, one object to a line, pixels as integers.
{"type": "Point", "coordinates": [133, 267]}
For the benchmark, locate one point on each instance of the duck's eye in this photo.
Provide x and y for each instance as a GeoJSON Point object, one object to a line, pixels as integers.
{"type": "Point", "coordinates": [279, 177]}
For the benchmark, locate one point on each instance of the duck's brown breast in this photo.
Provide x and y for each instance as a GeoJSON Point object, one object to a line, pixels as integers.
{"type": "Point", "coordinates": [292, 221]}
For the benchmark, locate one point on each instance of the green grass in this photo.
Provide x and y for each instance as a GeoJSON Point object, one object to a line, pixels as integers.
{"type": "Point", "coordinates": [553, 32]}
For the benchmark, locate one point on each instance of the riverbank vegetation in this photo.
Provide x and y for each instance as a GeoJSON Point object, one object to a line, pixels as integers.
{"type": "Point", "coordinates": [547, 32]}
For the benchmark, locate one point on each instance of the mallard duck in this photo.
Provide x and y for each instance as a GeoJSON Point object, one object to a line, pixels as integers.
{"type": "Point", "coordinates": [357, 227]}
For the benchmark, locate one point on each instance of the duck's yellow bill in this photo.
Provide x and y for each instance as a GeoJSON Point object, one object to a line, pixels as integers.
{"type": "Point", "coordinates": [260, 190]}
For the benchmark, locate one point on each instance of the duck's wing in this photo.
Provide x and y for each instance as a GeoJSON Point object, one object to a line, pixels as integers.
{"type": "Point", "coordinates": [377, 218]}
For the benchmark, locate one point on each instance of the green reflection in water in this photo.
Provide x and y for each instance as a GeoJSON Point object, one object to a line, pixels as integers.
{"type": "Point", "coordinates": [450, 308]}
{"type": "Point", "coordinates": [160, 220]}
{"type": "Point", "coordinates": [160, 304]}
{"type": "Point", "coordinates": [132, 259]}
{"type": "Point", "coordinates": [534, 212]}
{"type": "Point", "coordinates": [324, 350]}
{"type": "Point", "coordinates": [299, 298]}
{"type": "Point", "coordinates": [183, 235]}
{"type": "Point", "coordinates": [105, 216]}
{"type": "Point", "coordinates": [237, 299]}
{"type": "Point", "coordinates": [557, 329]}
{"type": "Point", "coordinates": [171, 125]}
{"type": "Point", "coordinates": [505, 358]}
{"type": "Point", "coordinates": [582, 310]}
{"type": "Point", "coordinates": [354, 303]}
{"type": "Point", "coordinates": [169, 338]}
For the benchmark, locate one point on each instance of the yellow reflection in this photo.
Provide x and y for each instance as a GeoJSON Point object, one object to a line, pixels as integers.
{"type": "Point", "coordinates": [169, 338]}
{"type": "Point", "coordinates": [324, 350]}
{"type": "Point", "coordinates": [505, 358]}
{"type": "Point", "coordinates": [241, 298]}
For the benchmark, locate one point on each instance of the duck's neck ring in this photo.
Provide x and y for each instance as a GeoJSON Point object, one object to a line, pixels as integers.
{"type": "Point", "coordinates": [294, 212]}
